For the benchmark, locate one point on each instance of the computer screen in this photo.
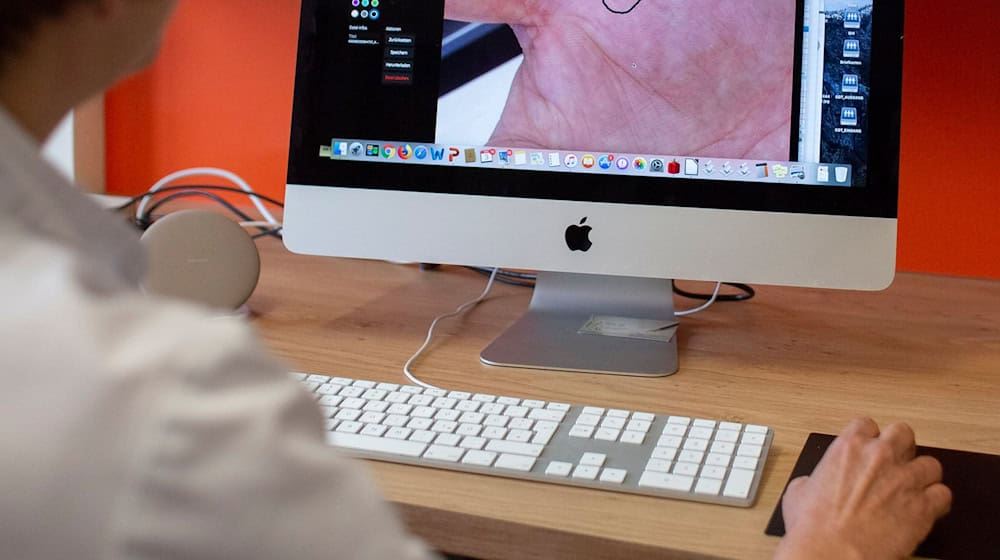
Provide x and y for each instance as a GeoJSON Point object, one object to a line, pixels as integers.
{"type": "Point", "coordinates": [700, 139]}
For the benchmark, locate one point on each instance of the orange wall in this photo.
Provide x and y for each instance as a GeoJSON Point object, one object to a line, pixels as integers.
{"type": "Point", "coordinates": [221, 94]}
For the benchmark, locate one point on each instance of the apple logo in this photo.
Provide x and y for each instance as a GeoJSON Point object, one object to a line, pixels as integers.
{"type": "Point", "coordinates": [578, 237]}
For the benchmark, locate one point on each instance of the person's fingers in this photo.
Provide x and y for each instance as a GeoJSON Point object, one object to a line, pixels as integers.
{"type": "Point", "coordinates": [791, 498]}
{"type": "Point", "coordinates": [939, 496]}
{"type": "Point", "coordinates": [489, 11]}
{"type": "Point", "coordinates": [926, 470]}
{"type": "Point", "coordinates": [865, 427]}
{"type": "Point", "coordinates": [795, 486]}
{"type": "Point", "coordinates": [901, 439]}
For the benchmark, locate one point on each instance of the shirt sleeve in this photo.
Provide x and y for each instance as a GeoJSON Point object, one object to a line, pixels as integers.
{"type": "Point", "coordinates": [233, 464]}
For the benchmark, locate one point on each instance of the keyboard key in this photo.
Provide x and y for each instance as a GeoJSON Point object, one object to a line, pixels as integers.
{"type": "Point", "coordinates": [723, 448]}
{"type": "Point", "coordinates": [665, 453]}
{"type": "Point", "coordinates": [635, 438]}
{"type": "Point", "coordinates": [708, 486]}
{"type": "Point", "coordinates": [727, 436]}
{"type": "Point", "coordinates": [469, 429]}
{"type": "Point", "coordinates": [501, 446]}
{"type": "Point", "coordinates": [689, 456]}
{"type": "Point", "coordinates": [714, 472]}
{"type": "Point", "coordinates": [422, 436]}
{"type": "Point", "coordinates": [614, 476]}
{"type": "Point", "coordinates": [686, 469]}
{"type": "Point", "coordinates": [593, 459]}
{"type": "Point", "coordinates": [547, 415]}
{"type": "Point", "coordinates": [479, 458]}
{"type": "Point", "coordinates": [752, 429]}
{"type": "Point", "coordinates": [638, 426]}
{"type": "Point", "coordinates": [665, 481]}
{"type": "Point", "coordinates": [747, 450]}
{"type": "Point", "coordinates": [543, 437]}
{"type": "Point", "coordinates": [659, 465]}
{"type": "Point", "coordinates": [586, 472]}
{"type": "Point", "coordinates": [398, 433]}
{"type": "Point", "coordinates": [450, 440]}
{"type": "Point", "coordinates": [558, 468]}
{"type": "Point", "coordinates": [383, 445]}
{"type": "Point", "coordinates": [515, 462]}
{"type": "Point", "coordinates": [444, 453]}
{"type": "Point", "coordinates": [468, 406]}
{"type": "Point", "coordinates": [749, 463]}
{"type": "Point", "coordinates": [717, 460]}
{"type": "Point", "coordinates": [473, 443]}
{"type": "Point", "coordinates": [581, 431]}
{"type": "Point", "coordinates": [607, 434]}
{"type": "Point", "coordinates": [738, 484]}
{"type": "Point", "coordinates": [613, 423]}
{"type": "Point", "coordinates": [753, 439]}
{"type": "Point", "coordinates": [376, 430]}
{"type": "Point", "coordinates": [521, 436]}
{"type": "Point", "coordinates": [521, 424]}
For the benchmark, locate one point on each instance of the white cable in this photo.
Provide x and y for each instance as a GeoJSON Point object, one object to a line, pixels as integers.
{"type": "Point", "coordinates": [430, 332]}
{"type": "Point", "coordinates": [260, 225]}
{"type": "Point", "coordinates": [715, 296]}
{"type": "Point", "coordinates": [211, 172]}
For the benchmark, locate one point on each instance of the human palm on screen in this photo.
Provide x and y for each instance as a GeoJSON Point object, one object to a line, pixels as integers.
{"type": "Point", "coordinates": [705, 77]}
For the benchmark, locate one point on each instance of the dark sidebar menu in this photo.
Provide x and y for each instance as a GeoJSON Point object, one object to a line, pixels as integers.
{"type": "Point", "coordinates": [386, 63]}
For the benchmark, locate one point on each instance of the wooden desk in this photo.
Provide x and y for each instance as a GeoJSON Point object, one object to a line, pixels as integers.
{"type": "Point", "coordinates": [927, 352]}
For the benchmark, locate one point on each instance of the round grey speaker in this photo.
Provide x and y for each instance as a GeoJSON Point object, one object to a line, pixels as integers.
{"type": "Point", "coordinates": [202, 257]}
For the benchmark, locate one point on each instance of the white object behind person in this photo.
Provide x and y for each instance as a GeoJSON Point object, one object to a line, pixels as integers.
{"type": "Point", "coordinates": [202, 257]}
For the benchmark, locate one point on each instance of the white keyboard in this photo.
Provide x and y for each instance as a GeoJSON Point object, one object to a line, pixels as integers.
{"type": "Point", "coordinates": [617, 450]}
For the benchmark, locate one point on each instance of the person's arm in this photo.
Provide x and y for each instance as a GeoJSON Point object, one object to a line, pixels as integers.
{"type": "Point", "coordinates": [513, 12]}
{"type": "Point", "coordinates": [233, 464]}
{"type": "Point", "coordinates": [869, 497]}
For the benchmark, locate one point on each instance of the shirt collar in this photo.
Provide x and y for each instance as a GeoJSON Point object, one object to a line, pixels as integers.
{"type": "Point", "coordinates": [35, 197]}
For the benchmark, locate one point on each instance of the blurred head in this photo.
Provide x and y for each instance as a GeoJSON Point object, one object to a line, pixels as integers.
{"type": "Point", "coordinates": [126, 32]}
{"type": "Point", "coordinates": [64, 51]}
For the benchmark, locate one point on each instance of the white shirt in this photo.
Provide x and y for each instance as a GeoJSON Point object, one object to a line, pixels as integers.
{"type": "Point", "coordinates": [134, 428]}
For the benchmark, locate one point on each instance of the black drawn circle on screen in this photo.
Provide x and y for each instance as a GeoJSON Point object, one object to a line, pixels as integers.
{"type": "Point", "coordinates": [621, 12]}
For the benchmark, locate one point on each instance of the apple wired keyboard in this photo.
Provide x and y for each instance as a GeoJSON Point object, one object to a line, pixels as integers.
{"type": "Point", "coordinates": [607, 449]}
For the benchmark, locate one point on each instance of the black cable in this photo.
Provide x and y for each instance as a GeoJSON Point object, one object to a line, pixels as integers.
{"type": "Point", "coordinates": [509, 277]}
{"type": "Point", "coordinates": [748, 293]}
{"type": "Point", "coordinates": [177, 188]}
{"type": "Point", "coordinates": [144, 221]}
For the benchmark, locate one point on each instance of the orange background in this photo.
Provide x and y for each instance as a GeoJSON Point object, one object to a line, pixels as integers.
{"type": "Point", "coordinates": [220, 95]}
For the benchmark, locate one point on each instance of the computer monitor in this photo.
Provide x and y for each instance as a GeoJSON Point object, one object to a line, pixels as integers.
{"type": "Point", "coordinates": [612, 145]}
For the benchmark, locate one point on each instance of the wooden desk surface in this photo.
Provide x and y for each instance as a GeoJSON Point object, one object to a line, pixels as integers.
{"type": "Point", "coordinates": [927, 352]}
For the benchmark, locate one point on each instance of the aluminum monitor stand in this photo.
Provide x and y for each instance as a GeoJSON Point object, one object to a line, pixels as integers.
{"type": "Point", "coordinates": [548, 335]}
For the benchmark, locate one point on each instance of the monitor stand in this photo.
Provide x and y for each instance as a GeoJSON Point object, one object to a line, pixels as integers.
{"type": "Point", "coordinates": [548, 336]}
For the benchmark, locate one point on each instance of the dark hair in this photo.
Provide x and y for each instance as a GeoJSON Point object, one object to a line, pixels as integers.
{"type": "Point", "coordinates": [19, 19]}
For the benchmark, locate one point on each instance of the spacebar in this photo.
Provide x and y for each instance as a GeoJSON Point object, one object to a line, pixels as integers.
{"type": "Point", "coordinates": [382, 445]}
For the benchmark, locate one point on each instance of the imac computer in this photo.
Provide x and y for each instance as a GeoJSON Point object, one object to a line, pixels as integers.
{"type": "Point", "coordinates": [612, 145]}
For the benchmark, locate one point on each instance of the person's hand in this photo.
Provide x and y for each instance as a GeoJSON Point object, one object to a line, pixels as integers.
{"type": "Point", "coordinates": [707, 77]}
{"type": "Point", "coordinates": [869, 497]}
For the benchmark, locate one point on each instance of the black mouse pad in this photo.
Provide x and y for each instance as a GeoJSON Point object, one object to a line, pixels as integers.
{"type": "Point", "coordinates": [971, 530]}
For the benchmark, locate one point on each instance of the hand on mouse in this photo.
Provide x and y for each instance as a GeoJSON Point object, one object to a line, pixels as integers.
{"type": "Point", "coordinates": [869, 497]}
